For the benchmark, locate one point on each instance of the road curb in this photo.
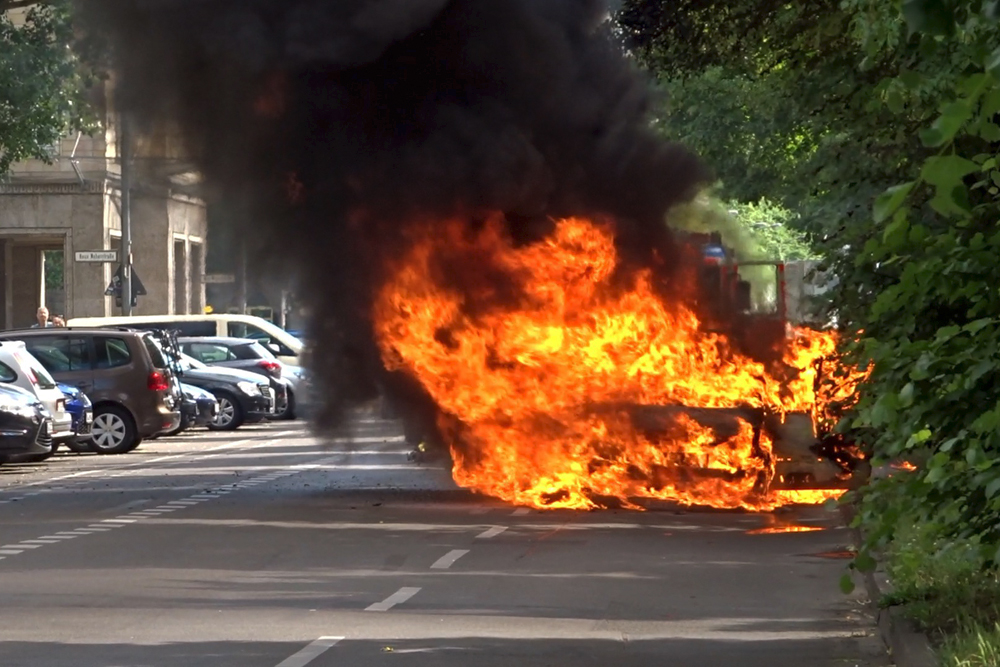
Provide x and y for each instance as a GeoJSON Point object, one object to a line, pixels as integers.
{"type": "Point", "coordinates": [908, 647]}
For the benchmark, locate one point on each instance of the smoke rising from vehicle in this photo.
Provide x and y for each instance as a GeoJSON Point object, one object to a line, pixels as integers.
{"type": "Point", "coordinates": [327, 127]}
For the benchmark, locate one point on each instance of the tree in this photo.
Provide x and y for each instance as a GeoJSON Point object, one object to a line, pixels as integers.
{"type": "Point", "coordinates": [43, 84]}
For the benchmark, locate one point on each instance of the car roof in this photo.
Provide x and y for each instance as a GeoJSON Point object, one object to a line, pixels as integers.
{"type": "Point", "coordinates": [38, 331]}
{"type": "Point", "coordinates": [224, 340]}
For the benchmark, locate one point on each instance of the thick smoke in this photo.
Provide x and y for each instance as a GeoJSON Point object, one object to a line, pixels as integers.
{"type": "Point", "coordinates": [328, 125]}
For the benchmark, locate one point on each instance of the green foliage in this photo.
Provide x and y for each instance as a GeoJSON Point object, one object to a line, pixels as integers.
{"type": "Point", "coordinates": [975, 645]}
{"type": "Point", "coordinates": [932, 326]}
{"type": "Point", "coordinates": [42, 83]}
{"type": "Point", "coordinates": [758, 230]}
{"type": "Point", "coordinates": [946, 584]}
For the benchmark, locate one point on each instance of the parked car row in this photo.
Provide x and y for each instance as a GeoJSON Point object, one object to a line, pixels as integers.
{"type": "Point", "coordinates": [107, 389]}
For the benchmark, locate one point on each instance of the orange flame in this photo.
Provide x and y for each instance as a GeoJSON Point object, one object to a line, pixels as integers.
{"type": "Point", "coordinates": [533, 390]}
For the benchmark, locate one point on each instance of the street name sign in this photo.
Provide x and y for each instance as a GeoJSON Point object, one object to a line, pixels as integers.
{"type": "Point", "coordinates": [97, 256]}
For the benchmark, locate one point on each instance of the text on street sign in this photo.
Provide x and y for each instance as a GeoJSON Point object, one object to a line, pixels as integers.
{"type": "Point", "coordinates": [97, 256]}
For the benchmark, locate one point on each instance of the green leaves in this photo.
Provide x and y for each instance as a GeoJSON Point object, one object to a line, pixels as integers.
{"type": "Point", "coordinates": [890, 201]}
{"type": "Point", "coordinates": [41, 85]}
{"type": "Point", "coordinates": [944, 129]}
{"type": "Point", "coordinates": [933, 17]}
{"type": "Point", "coordinates": [945, 173]}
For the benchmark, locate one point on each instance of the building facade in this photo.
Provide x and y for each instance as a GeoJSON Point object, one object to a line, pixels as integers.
{"type": "Point", "coordinates": [51, 212]}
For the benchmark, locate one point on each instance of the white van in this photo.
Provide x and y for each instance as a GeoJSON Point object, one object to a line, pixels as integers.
{"type": "Point", "coordinates": [286, 347]}
{"type": "Point", "coordinates": [19, 368]}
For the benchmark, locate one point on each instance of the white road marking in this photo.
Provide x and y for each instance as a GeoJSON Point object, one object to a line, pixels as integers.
{"type": "Point", "coordinates": [521, 511]}
{"type": "Point", "coordinates": [447, 560]}
{"type": "Point", "coordinates": [310, 652]}
{"type": "Point", "coordinates": [492, 532]}
{"type": "Point", "coordinates": [134, 517]}
{"type": "Point", "coordinates": [399, 597]}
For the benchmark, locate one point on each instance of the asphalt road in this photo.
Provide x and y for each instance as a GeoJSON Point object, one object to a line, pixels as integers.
{"type": "Point", "coordinates": [266, 548]}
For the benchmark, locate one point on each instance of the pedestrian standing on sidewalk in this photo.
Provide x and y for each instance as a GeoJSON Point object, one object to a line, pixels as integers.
{"type": "Point", "coordinates": [58, 321]}
{"type": "Point", "coordinates": [43, 318]}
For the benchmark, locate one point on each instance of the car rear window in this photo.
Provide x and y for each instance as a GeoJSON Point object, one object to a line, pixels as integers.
{"type": "Point", "coordinates": [111, 352]}
{"type": "Point", "coordinates": [45, 381]}
{"type": "Point", "coordinates": [251, 351]}
{"type": "Point", "coordinates": [155, 352]}
{"type": "Point", "coordinates": [7, 373]}
{"type": "Point", "coordinates": [209, 353]}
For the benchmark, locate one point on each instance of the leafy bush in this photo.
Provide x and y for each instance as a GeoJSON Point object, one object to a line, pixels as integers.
{"type": "Point", "coordinates": [945, 584]}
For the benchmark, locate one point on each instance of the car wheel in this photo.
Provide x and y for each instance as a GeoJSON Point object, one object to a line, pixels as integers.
{"type": "Point", "coordinates": [229, 416]}
{"type": "Point", "coordinates": [113, 431]}
{"type": "Point", "coordinates": [135, 445]}
{"type": "Point", "coordinates": [289, 411]}
{"type": "Point", "coordinates": [79, 446]}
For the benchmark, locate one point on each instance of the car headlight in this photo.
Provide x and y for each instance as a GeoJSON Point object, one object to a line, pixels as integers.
{"type": "Point", "coordinates": [248, 388]}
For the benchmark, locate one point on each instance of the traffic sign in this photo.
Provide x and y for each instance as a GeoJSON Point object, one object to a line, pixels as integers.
{"type": "Point", "coordinates": [97, 256]}
{"type": "Point", "coordinates": [115, 286]}
{"type": "Point", "coordinates": [216, 278]}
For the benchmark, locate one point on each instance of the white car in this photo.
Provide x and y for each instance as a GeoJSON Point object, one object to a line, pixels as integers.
{"type": "Point", "coordinates": [19, 368]}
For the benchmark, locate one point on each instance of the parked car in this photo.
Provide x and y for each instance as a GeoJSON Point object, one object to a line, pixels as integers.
{"type": "Point", "coordinates": [25, 426]}
{"type": "Point", "coordinates": [243, 397]}
{"type": "Point", "coordinates": [20, 368]}
{"type": "Point", "coordinates": [248, 355]}
{"type": "Point", "coordinates": [82, 411]}
{"type": "Point", "coordinates": [124, 373]}
{"type": "Point", "coordinates": [284, 345]}
{"type": "Point", "coordinates": [199, 408]}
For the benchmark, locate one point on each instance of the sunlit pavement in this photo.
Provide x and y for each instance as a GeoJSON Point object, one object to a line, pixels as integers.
{"type": "Point", "coordinates": [268, 548]}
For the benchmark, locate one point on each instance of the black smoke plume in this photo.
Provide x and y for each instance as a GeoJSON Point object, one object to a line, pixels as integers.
{"type": "Point", "coordinates": [324, 126]}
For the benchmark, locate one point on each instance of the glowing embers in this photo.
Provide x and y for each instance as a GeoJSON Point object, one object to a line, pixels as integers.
{"type": "Point", "coordinates": [542, 363]}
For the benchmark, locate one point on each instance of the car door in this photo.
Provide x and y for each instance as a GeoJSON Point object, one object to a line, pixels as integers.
{"type": "Point", "coordinates": [68, 358]}
{"type": "Point", "coordinates": [115, 375]}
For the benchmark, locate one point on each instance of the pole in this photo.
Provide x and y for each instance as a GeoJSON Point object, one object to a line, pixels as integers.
{"type": "Point", "coordinates": [125, 152]}
{"type": "Point", "coordinates": [241, 277]}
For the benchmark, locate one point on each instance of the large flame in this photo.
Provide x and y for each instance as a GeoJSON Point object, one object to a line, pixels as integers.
{"type": "Point", "coordinates": [533, 381]}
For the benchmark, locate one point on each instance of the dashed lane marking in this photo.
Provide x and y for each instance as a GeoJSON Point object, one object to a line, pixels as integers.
{"type": "Point", "coordinates": [521, 511]}
{"type": "Point", "coordinates": [399, 597]}
{"type": "Point", "coordinates": [123, 520]}
{"type": "Point", "coordinates": [447, 560]}
{"type": "Point", "coordinates": [310, 652]}
{"type": "Point", "coordinates": [492, 532]}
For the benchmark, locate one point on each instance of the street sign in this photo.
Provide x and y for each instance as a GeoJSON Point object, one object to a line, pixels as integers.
{"type": "Point", "coordinates": [216, 278]}
{"type": "Point", "coordinates": [115, 287]}
{"type": "Point", "coordinates": [97, 256]}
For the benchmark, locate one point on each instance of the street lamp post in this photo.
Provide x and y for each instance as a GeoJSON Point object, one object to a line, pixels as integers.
{"type": "Point", "coordinates": [125, 150]}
